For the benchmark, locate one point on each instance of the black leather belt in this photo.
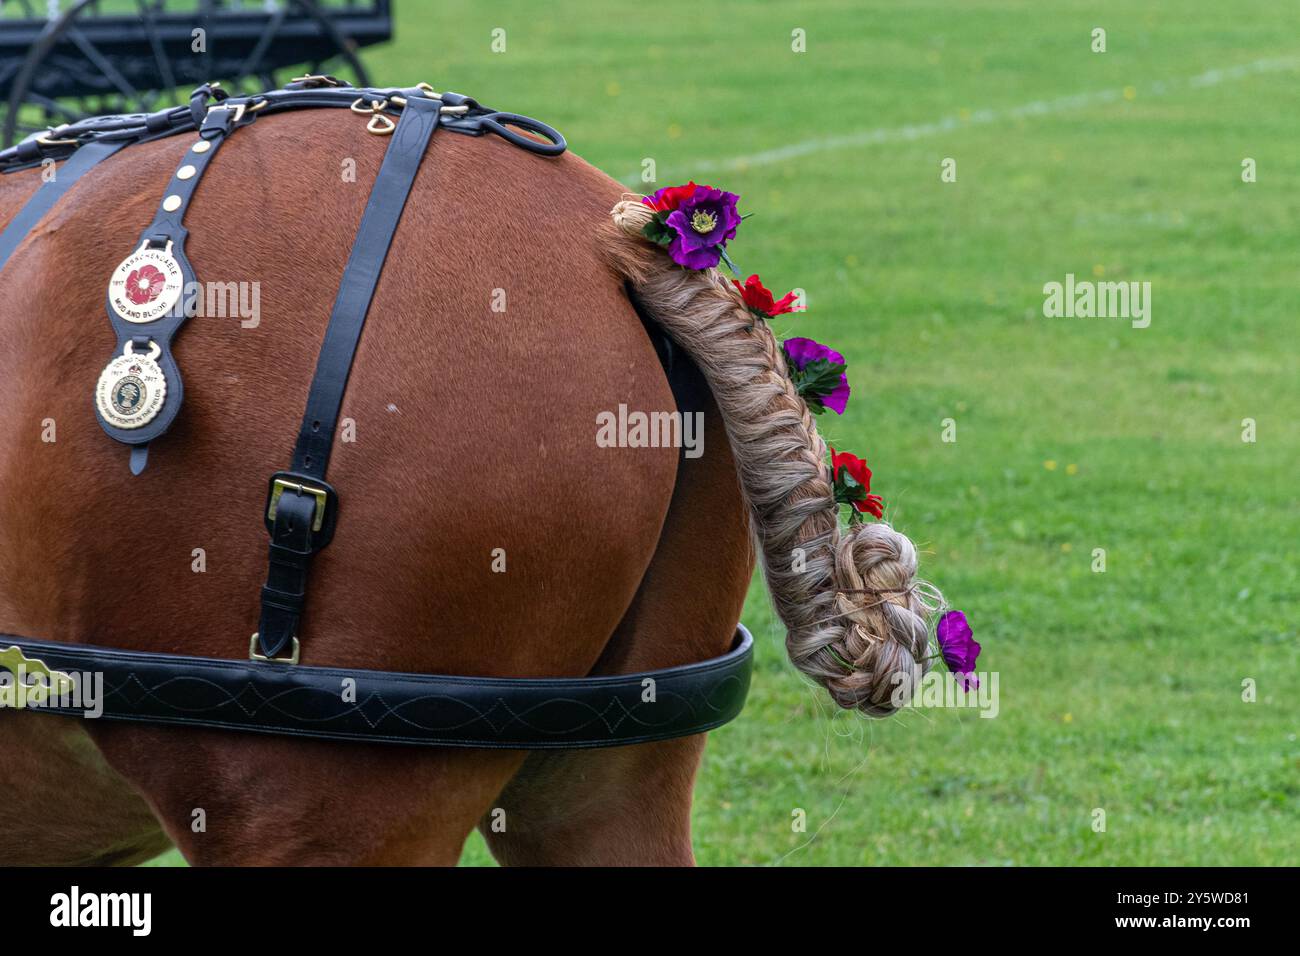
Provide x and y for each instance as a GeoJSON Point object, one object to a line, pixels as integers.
{"type": "Point", "coordinates": [519, 713]}
{"type": "Point", "coordinates": [277, 694]}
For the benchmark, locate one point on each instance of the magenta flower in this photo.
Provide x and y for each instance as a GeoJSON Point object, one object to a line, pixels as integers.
{"type": "Point", "coordinates": [818, 374]}
{"type": "Point", "coordinates": [958, 647]}
{"type": "Point", "coordinates": [704, 223]}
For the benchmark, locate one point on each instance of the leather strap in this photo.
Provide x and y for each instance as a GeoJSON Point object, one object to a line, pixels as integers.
{"type": "Point", "coordinates": [43, 200]}
{"type": "Point", "coordinates": [298, 527]}
{"type": "Point", "coordinates": [428, 709]}
{"type": "Point", "coordinates": [168, 232]}
{"type": "Point", "coordinates": [461, 114]}
{"type": "Point", "coordinates": [369, 250]}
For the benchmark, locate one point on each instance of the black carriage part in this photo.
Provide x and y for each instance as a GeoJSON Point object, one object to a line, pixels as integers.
{"type": "Point", "coordinates": [93, 59]}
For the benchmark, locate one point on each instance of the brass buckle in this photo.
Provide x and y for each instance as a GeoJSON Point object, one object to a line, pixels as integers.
{"type": "Point", "coordinates": [49, 138]}
{"type": "Point", "coordinates": [254, 656]}
{"type": "Point", "coordinates": [280, 486]}
{"type": "Point", "coordinates": [239, 109]}
{"type": "Point", "coordinates": [318, 80]}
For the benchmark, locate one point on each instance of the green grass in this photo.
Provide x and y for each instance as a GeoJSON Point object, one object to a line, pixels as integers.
{"type": "Point", "coordinates": [1120, 690]}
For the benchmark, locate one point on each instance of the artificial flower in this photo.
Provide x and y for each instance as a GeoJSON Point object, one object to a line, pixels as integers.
{"type": "Point", "coordinates": [670, 197]}
{"type": "Point", "coordinates": [958, 646]}
{"type": "Point", "coordinates": [695, 222]}
{"type": "Point", "coordinates": [759, 300]}
{"type": "Point", "coordinates": [818, 374]}
{"type": "Point", "coordinates": [851, 482]}
{"type": "Point", "coordinates": [705, 222]}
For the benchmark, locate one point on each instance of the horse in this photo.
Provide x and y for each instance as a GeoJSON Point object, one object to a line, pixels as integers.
{"type": "Point", "coordinates": [486, 532]}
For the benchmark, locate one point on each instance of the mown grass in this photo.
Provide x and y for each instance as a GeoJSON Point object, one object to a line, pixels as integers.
{"type": "Point", "coordinates": [1122, 690]}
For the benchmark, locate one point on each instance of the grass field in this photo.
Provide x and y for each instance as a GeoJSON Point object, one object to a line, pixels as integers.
{"type": "Point", "coordinates": [1121, 690]}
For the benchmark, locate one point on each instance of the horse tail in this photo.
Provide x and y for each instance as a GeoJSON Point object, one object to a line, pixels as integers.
{"type": "Point", "coordinates": [856, 614]}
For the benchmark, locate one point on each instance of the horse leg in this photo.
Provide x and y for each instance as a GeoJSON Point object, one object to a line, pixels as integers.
{"type": "Point", "coordinates": [107, 824]}
{"type": "Point", "coordinates": [310, 803]}
{"type": "Point", "coordinates": [631, 805]}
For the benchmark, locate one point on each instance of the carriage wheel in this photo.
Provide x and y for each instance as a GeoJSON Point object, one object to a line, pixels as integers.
{"type": "Point", "coordinates": [73, 48]}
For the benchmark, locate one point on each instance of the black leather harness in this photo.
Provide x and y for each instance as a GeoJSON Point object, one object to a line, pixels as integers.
{"type": "Point", "coordinates": [272, 692]}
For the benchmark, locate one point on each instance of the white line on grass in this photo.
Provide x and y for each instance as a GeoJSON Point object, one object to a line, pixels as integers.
{"type": "Point", "coordinates": [913, 131]}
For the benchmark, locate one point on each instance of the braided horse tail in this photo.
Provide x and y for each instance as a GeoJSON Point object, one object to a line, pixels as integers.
{"type": "Point", "coordinates": [857, 617]}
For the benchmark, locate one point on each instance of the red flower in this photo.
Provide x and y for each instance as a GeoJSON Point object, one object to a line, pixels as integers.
{"type": "Point", "coordinates": [145, 284]}
{"type": "Point", "coordinates": [857, 469]}
{"type": "Point", "coordinates": [670, 197]}
{"type": "Point", "coordinates": [759, 300]}
{"type": "Point", "coordinates": [855, 466]}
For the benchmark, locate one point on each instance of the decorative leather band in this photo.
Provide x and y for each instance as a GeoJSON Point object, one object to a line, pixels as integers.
{"type": "Point", "coordinates": [301, 507]}
{"type": "Point", "coordinates": [147, 304]}
{"type": "Point", "coordinates": [337, 703]}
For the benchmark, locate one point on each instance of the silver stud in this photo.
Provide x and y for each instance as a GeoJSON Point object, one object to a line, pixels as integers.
{"type": "Point", "coordinates": [202, 146]}
{"type": "Point", "coordinates": [185, 172]}
{"type": "Point", "coordinates": [172, 203]}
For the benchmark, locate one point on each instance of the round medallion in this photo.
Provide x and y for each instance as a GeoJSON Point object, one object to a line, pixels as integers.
{"type": "Point", "coordinates": [131, 390]}
{"type": "Point", "coordinates": [146, 285]}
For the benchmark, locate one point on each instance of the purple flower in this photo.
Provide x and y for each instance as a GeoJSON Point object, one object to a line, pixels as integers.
{"type": "Point", "coordinates": [958, 647]}
{"type": "Point", "coordinates": [704, 222]}
{"type": "Point", "coordinates": [803, 352]}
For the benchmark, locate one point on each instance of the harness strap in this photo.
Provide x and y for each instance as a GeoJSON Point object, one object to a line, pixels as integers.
{"type": "Point", "coordinates": [43, 200]}
{"type": "Point", "coordinates": [536, 713]}
{"type": "Point", "coordinates": [301, 507]}
{"type": "Point", "coordinates": [161, 248]}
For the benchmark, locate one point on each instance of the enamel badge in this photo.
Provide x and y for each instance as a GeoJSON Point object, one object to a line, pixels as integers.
{"type": "Point", "coordinates": [131, 390]}
{"type": "Point", "coordinates": [146, 285]}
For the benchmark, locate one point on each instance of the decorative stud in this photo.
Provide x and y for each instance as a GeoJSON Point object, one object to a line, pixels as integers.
{"type": "Point", "coordinates": [172, 203]}
{"type": "Point", "coordinates": [202, 146]}
{"type": "Point", "coordinates": [185, 172]}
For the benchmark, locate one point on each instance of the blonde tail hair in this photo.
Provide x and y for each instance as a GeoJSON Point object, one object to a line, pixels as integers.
{"type": "Point", "coordinates": [857, 617]}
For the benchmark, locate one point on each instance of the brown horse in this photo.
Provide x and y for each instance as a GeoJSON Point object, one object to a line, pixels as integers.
{"type": "Point", "coordinates": [474, 430]}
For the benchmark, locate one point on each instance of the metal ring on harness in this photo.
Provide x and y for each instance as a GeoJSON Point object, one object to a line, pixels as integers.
{"type": "Point", "coordinates": [154, 349]}
{"type": "Point", "coordinates": [381, 124]}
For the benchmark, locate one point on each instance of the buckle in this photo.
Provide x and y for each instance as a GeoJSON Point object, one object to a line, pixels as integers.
{"type": "Point", "coordinates": [238, 109]}
{"type": "Point", "coordinates": [280, 485]}
{"type": "Point", "coordinates": [310, 81]}
{"type": "Point", "coordinates": [254, 656]}
{"type": "Point", "coordinates": [50, 138]}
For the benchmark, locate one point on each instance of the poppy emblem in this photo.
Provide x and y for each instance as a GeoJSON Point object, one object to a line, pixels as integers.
{"type": "Point", "coordinates": [145, 284]}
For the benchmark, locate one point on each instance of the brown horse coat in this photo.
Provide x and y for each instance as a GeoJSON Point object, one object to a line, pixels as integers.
{"type": "Point", "coordinates": [474, 430]}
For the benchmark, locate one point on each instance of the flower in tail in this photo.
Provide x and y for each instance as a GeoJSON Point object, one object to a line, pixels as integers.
{"type": "Point", "coordinates": [818, 374]}
{"type": "Point", "coordinates": [958, 646]}
{"type": "Point", "coordinates": [851, 481]}
{"type": "Point", "coordinates": [695, 223]}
